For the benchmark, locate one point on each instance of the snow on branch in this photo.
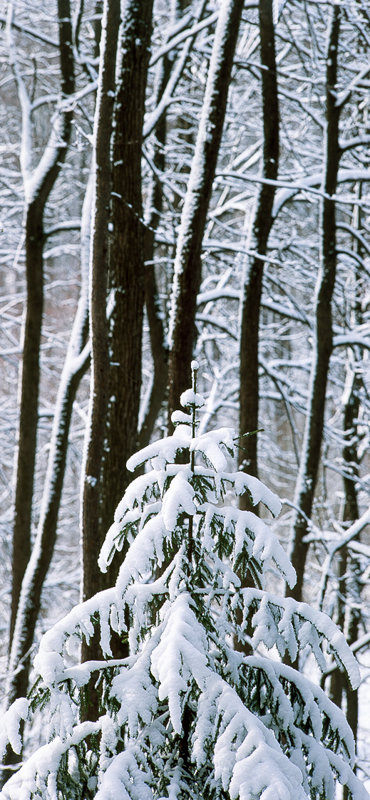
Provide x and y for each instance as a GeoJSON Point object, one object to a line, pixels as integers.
{"type": "Point", "coordinates": [290, 626]}
{"type": "Point", "coordinates": [188, 712]}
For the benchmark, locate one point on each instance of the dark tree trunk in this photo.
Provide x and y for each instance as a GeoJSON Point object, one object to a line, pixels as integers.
{"type": "Point", "coordinates": [349, 590]}
{"type": "Point", "coordinates": [159, 350]}
{"type": "Point", "coordinates": [28, 417]}
{"type": "Point", "coordinates": [22, 620]}
{"type": "Point", "coordinates": [43, 548]}
{"type": "Point", "coordinates": [99, 390]}
{"type": "Point", "coordinates": [310, 459]}
{"type": "Point", "coordinates": [187, 274]}
{"type": "Point", "coordinates": [348, 614]}
{"type": "Point", "coordinates": [36, 198]}
{"type": "Point", "coordinates": [126, 274]}
{"type": "Point", "coordinates": [76, 363]}
{"type": "Point", "coordinates": [98, 303]}
{"type": "Point", "coordinates": [252, 286]}
{"type": "Point", "coordinates": [117, 379]}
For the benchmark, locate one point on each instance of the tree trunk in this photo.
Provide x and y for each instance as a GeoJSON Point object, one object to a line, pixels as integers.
{"type": "Point", "coordinates": [99, 390]}
{"type": "Point", "coordinates": [310, 459]}
{"type": "Point", "coordinates": [37, 191]}
{"type": "Point", "coordinates": [76, 363]}
{"type": "Point", "coordinates": [37, 186]}
{"type": "Point", "coordinates": [159, 350]}
{"type": "Point", "coordinates": [116, 346]}
{"type": "Point", "coordinates": [349, 590]}
{"type": "Point", "coordinates": [173, 62]}
{"type": "Point", "coordinates": [126, 274]}
{"type": "Point", "coordinates": [352, 416]}
{"type": "Point", "coordinates": [187, 274]}
{"type": "Point", "coordinates": [90, 512]}
{"type": "Point", "coordinates": [252, 281]}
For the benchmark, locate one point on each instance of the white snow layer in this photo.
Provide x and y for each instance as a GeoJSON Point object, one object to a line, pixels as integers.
{"type": "Point", "coordinates": [9, 733]}
{"type": "Point", "coordinates": [277, 620]}
{"type": "Point", "coordinates": [179, 658]}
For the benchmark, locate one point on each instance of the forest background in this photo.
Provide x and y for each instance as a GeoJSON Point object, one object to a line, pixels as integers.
{"type": "Point", "coordinates": [200, 188]}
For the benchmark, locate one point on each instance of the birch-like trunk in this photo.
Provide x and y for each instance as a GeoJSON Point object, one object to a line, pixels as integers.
{"type": "Point", "coordinates": [187, 272]}
{"type": "Point", "coordinates": [170, 66]}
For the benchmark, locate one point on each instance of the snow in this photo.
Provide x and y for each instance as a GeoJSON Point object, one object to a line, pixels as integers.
{"type": "Point", "coordinates": [136, 692]}
{"type": "Point", "coordinates": [178, 417]}
{"type": "Point", "coordinates": [184, 618]}
{"type": "Point", "coordinates": [137, 494]}
{"type": "Point", "coordinates": [39, 771]}
{"type": "Point", "coordinates": [128, 777]}
{"type": "Point", "coordinates": [200, 166]}
{"type": "Point", "coordinates": [250, 533]}
{"type": "Point", "coordinates": [49, 662]}
{"type": "Point", "coordinates": [165, 449]}
{"type": "Point", "coordinates": [190, 398]}
{"type": "Point", "coordinates": [167, 95]}
{"type": "Point", "coordinates": [209, 444]}
{"type": "Point", "coordinates": [180, 658]}
{"type": "Point", "coordinates": [243, 746]}
{"type": "Point", "coordinates": [316, 704]}
{"type": "Point", "coordinates": [311, 627]}
{"type": "Point", "coordinates": [179, 497]}
{"type": "Point", "coordinates": [10, 725]}
{"type": "Point", "coordinates": [258, 491]}
{"type": "Point", "coordinates": [308, 182]}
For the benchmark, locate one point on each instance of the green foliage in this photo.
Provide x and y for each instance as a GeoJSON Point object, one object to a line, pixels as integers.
{"type": "Point", "coordinates": [199, 708]}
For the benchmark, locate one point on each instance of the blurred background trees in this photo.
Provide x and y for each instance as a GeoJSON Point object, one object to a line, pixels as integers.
{"type": "Point", "coordinates": [121, 198]}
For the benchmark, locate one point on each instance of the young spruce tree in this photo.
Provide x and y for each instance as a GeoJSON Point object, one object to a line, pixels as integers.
{"type": "Point", "coordinates": [187, 714]}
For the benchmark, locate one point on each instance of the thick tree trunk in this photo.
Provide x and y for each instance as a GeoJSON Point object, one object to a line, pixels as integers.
{"type": "Point", "coordinates": [117, 346]}
{"type": "Point", "coordinates": [252, 281]}
{"type": "Point", "coordinates": [348, 614]}
{"type": "Point", "coordinates": [99, 389]}
{"type": "Point", "coordinates": [28, 417]}
{"type": "Point", "coordinates": [351, 512]}
{"type": "Point", "coordinates": [187, 274]}
{"type": "Point", "coordinates": [90, 512]}
{"type": "Point", "coordinates": [126, 259]}
{"type": "Point", "coordinates": [310, 458]}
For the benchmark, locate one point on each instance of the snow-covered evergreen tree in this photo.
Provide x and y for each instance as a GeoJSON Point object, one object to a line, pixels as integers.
{"type": "Point", "coordinates": [188, 714]}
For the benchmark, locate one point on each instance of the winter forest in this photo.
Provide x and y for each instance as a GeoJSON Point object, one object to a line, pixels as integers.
{"type": "Point", "coordinates": [184, 398]}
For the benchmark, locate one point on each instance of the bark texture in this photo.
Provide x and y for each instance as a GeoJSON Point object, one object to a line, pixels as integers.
{"type": "Point", "coordinates": [310, 458]}
{"type": "Point", "coordinates": [126, 273]}
{"type": "Point", "coordinates": [76, 363]}
{"type": "Point", "coordinates": [187, 274]}
{"type": "Point", "coordinates": [252, 283]}
{"type": "Point", "coordinates": [38, 185]}
{"type": "Point", "coordinates": [37, 195]}
{"type": "Point", "coordinates": [90, 513]}
{"type": "Point", "coordinates": [158, 344]}
{"type": "Point", "coordinates": [349, 568]}
{"type": "Point", "coordinates": [117, 344]}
